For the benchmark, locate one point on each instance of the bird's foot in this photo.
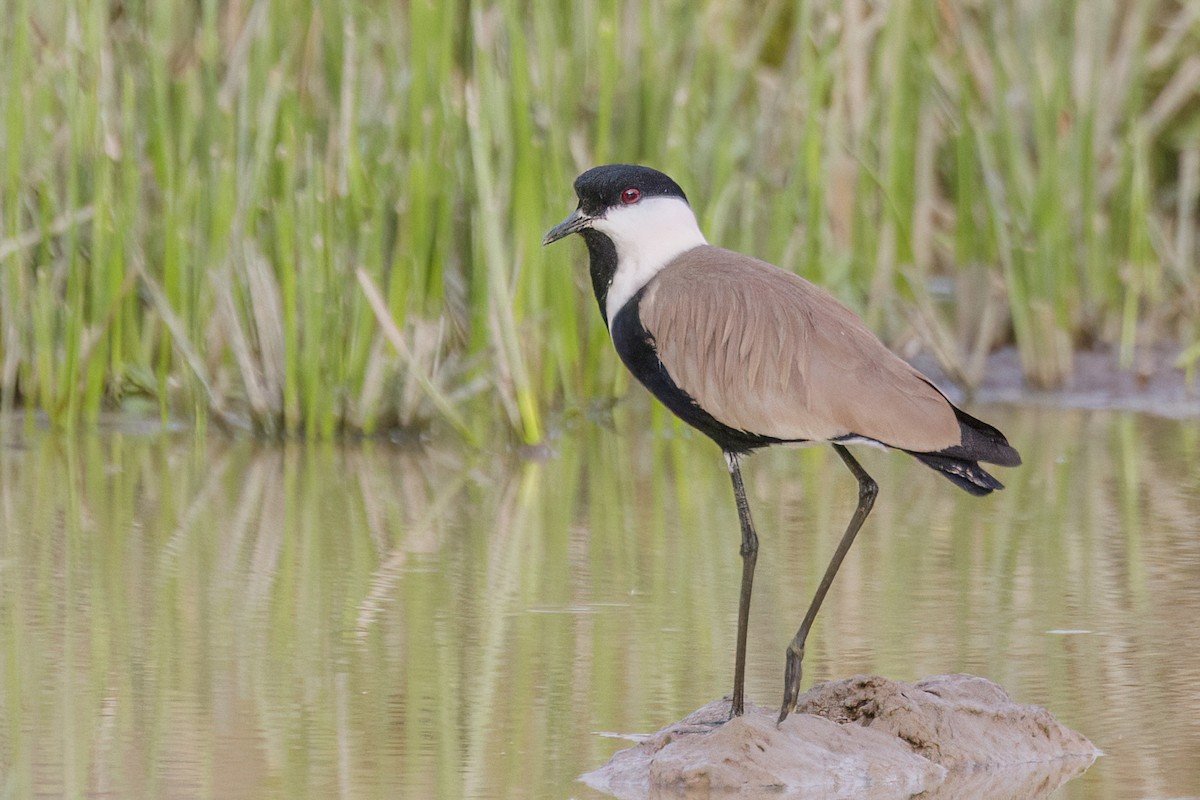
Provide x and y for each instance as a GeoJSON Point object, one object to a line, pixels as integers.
{"type": "Point", "coordinates": [737, 706]}
{"type": "Point", "coordinates": [791, 680]}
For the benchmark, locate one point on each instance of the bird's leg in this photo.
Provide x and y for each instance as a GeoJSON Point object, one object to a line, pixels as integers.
{"type": "Point", "coordinates": [749, 553]}
{"type": "Point", "coordinates": [867, 489]}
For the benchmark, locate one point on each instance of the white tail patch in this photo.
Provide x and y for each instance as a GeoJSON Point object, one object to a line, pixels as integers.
{"type": "Point", "coordinates": [648, 235]}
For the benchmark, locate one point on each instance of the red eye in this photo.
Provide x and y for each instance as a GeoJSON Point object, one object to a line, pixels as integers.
{"type": "Point", "coordinates": [631, 195]}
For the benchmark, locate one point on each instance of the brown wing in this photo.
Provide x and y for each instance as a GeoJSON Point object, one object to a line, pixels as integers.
{"type": "Point", "coordinates": [765, 351]}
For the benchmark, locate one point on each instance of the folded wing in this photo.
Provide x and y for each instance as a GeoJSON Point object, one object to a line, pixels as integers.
{"type": "Point", "coordinates": [764, 351]}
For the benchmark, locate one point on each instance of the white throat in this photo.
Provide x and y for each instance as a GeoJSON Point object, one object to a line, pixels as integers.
{"type": "Point", "coordinates": [647, 235]}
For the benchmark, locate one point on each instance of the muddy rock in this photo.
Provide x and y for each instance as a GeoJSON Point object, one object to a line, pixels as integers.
{"type": "Point", "coordinates": [864, 737]}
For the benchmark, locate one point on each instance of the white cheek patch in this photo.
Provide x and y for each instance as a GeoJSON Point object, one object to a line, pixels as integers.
{"type": "Point", "coordinates": [648, 235]}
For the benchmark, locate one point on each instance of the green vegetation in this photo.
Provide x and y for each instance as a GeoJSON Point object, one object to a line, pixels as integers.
{"type": "Point", "coordinates": [324, 217]}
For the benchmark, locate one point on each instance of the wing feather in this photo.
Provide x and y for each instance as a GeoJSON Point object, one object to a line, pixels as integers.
{"type": "Point", "coordinates": [765, 351]}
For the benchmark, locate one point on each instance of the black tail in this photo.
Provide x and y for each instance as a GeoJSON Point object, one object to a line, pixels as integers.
{"type": "Point", "coordinates": [965, 474]}
{"type": "Point", "coordinates": [980, 442]}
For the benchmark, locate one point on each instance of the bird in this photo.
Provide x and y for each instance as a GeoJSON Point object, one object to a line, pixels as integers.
{"type": "Point", "coordinates": [752, 355]}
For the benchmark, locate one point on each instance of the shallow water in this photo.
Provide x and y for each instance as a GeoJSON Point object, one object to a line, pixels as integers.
{"type": "Point", "coordinates": [208, 618]}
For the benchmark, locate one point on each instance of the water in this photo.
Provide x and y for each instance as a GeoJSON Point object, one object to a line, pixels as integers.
{"type": "Point", "coordinates": [186, 618]}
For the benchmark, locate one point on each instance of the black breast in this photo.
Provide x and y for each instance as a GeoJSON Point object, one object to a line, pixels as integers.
{"type": "Point", "coordinates": [635, 345]}
{"type": "Point", "coordinates": [602, 263]}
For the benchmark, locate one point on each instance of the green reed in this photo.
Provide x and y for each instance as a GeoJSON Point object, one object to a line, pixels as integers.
{"type": "Point", "coordinates": [325, 218]}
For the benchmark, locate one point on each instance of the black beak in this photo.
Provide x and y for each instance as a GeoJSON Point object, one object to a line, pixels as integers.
{"type": "Point", "coordinates": [572, 224]}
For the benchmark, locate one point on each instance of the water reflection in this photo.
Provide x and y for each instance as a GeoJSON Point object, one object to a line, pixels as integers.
{"type": "Point", "coordinates": [207, 618]}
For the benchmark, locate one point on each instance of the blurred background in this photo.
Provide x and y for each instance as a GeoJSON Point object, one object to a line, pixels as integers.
{"type": "Point", "coordinates": [320, 223]}
{"type": "Point", "coordinates": [325, 217]}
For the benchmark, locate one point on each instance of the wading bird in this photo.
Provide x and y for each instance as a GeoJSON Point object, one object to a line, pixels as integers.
{"type": "Point", "coordinates": [752, 355]}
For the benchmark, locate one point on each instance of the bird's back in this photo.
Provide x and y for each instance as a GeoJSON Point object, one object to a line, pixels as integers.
{"type": "Point", "coordinates": [764, 351]}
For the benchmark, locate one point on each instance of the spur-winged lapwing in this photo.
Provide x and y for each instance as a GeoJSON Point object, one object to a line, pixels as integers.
{"type": "Point", "coordinates": [753, 355]}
